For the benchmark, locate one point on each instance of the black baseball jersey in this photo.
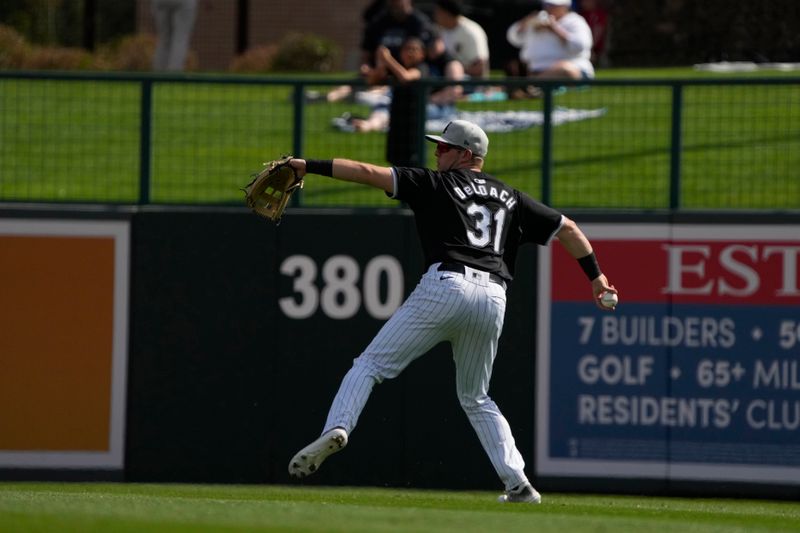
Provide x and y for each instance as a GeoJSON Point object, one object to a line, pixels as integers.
{"type": "Point", "coordinates": [473, 218]}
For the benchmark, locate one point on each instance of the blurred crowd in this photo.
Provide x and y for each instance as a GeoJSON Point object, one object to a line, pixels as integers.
{"type": "Point", "coordinates": [556, 39]}
{"type": "Point", "coordinates": [400, 43]}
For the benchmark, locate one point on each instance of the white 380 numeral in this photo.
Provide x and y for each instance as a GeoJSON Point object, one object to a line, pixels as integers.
{"type": "Point", "coordinates": [340, 297]}
{"type": "Point", "coordinates": [483, 225]}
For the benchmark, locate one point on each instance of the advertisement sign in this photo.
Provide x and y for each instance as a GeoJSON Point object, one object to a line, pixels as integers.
{"type": "Point", "coordinates": [63, 343]}
{"type": "Point", "coordinates": [695, 375]}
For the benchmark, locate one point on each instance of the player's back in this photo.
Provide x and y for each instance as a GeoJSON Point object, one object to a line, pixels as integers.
{"type": "Point", "coordinates": [471, 217]}
{"type": "Point", "coordinates": [462, 215]}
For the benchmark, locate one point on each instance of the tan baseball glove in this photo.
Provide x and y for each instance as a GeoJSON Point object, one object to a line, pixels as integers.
{"type": "Point", "coordinates": [269, 192]}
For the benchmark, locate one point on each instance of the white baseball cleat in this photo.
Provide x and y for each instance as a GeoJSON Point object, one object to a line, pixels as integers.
{"type": "Point", "coordinates": [522, 494]}
{"type": "Point", "coordinates": [308, 460]}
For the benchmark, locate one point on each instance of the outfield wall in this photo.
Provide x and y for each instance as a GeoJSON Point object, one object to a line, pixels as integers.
{"type": "Point", "coordinates": [204, 345]}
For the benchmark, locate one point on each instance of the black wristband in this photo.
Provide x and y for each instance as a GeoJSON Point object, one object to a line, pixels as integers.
{"type": "Point", "coordinates": [321, 167]}
{"type": "Point", "coordinates": [590, 266]}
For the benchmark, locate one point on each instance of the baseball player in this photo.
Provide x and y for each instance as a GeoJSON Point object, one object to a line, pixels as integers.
{"type": "Point", "coordinates": [470, 225]}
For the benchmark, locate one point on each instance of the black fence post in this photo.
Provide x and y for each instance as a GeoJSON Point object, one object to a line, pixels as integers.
{"type": "Point", "coordinates": [297, 132]}
{"type": "Point", "coordinates": [422, 95]}
{"type": "Point", "coordinates": [145, 137]}
{"type": "Point", "coordinates": [675, 147]}
{"type": "Point", "coordinates": [547, 145]}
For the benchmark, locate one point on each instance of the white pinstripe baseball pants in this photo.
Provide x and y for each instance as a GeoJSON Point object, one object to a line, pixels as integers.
{"type": "Point", "coordinates": [465, 309]}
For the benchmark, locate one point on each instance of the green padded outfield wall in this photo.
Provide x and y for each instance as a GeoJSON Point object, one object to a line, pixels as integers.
{"type": "Point", "coordinates": [241, 332]}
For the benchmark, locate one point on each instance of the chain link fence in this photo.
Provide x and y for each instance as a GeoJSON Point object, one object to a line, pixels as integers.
{"type": "Point", "coordinates": [196, 139]}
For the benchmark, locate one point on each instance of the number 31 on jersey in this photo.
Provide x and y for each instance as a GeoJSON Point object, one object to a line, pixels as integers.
{"type": "Point", "coordinates": [488, 227]}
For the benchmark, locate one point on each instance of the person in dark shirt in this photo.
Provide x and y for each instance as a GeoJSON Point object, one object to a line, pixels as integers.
{"type": "Point", "coordinates": [470, 225]}
{"type": "Point", "coordinates": [391, 27]}
{"type": "Point", "coordinates": [410, 68]}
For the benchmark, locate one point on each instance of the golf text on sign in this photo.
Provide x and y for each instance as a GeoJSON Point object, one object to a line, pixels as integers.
{"type": "Point", "coordinates": [697, 373]}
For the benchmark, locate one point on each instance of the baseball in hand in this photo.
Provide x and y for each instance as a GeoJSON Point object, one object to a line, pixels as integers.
{"type": "Point", "coordinates": [609, 299]}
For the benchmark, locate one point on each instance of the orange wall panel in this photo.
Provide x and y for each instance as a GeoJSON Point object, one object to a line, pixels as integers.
{"type": "Point", "coordinates": [56, 333]}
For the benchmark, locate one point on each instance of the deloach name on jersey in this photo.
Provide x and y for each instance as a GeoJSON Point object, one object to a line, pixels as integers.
{"type": "Point", "coordinates": [482, 190]}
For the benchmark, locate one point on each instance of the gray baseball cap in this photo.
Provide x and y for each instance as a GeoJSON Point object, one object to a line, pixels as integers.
{"type": "Point", "coordinates": [463, 134]}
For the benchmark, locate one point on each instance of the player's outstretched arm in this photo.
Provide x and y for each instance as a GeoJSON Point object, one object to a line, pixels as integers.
{"type": "Point", "coordinates": [579, 247]}
{"type": "Point", "coordinates": [347, 170]}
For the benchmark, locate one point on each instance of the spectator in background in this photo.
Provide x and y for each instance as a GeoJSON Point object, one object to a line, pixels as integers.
{"type": "Point", "coordinates": [411, 67]}
{"type": "Point", "coordinates": [463, 38]}
{"type": "Point", "coordinates": [390, 27]}
{"type": "Point", "coordinates": [555, 43]}
{"type": "Point", "coordinates": [443, 65]}
{"type": "Point", "coordinates": [596, 17]}
{"type": "Point", "coordinates": [403, 140]}
{"type": "Point", "coordinates": [174, 20]}
{"type": "Point", "coordinates": [401, 22]}
{"type": "Point", "coordinates": [402, 97]}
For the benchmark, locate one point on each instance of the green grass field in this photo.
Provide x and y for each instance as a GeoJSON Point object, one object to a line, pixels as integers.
{"type": "Point", "coordinates": [171, 508]}
{"type": "Point", "coordinates": [66, 140]}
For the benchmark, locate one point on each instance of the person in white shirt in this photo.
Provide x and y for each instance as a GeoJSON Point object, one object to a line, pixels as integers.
{"type": "Point", "coordinates": [463, 38]}
{"type": "Point", "coordinates": [554, 43]}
